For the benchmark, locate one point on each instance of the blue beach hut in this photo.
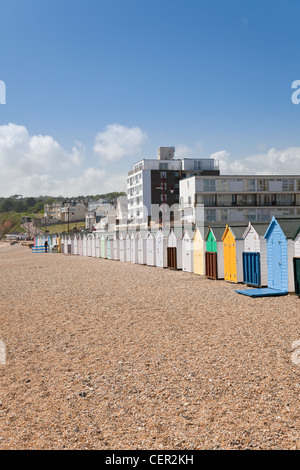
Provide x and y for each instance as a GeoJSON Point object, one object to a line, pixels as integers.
{"type": "Point", "coordinates": [280, 237]}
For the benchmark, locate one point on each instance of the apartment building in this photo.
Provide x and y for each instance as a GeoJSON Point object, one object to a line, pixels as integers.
{"type": "Point", "coordinates": [240, 198]}
{"type": "Point", "coordinates": [53, 211]}
{"type": "Point", "coordinates": [156, 181]}
{"type": "Point", "coordinates": [71, 212]}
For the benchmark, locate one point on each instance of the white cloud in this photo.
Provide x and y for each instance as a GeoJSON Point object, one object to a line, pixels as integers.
{"type": "Point", "coordinates": [24, 154]}
{"type": "Point", "coordinates": [34, 165]}
{"type": "Point", "coordinates": [184, 151]}
{"type": "Point", "coordinates": [273, 162]}
{"type": "Point", "coordinates": [116, 142]}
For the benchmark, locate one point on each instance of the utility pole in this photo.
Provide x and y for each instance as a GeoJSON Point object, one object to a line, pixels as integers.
{"type": "Point", "coordinates": [68, 219]}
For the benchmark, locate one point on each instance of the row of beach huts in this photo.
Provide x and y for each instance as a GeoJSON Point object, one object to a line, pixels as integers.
{"type": "Point", "coordinates": [265, 256]}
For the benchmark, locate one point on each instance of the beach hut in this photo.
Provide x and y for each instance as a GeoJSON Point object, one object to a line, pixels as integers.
{"type": "Point", "coordinates": [109, 247]}
{"type": "Point", "coordinates": [255, 270]}
{"type": "Point", "coordinates": [52, 242]}
{"type": "Point", "coordinates": [84, 245]}
{"type": "Point", "coordinates": [89, 245]}
{"type": "Point", "coordinates": [281, 236]}
{"type": "Point", "coordinates": [75, 245]}
{"type": "Point", "coordinates": [97, 245]}
{"type": "Point", "coordinates": [142, 249]}
{"type": "Point", "coordinates": [150, 249]}
{"type": "Point", "coordinates": [161, 252]}
{"type": "Point", "coordinates": [199, 252]}
{"type": "Point", "coordinates": [103, 246]}
{"type": "Point", "coordinates": [214, 262]}
{"type": "Point", "coordinates": [174, 251]}
{"type": "Point", "coordinates": [128, 248]}
{"type": "Point", "coordinates": [296, 264]}
{"type": "Point", "coordinates": [93, 243]}
{"type": "Point", "coordinates": [134, 247]}
{"type": "Point", "coordinates": [58, 242]}
{"type": "Point", "coordinates": [69, 245]}
{"type": "Point", "coordinates": [187, 251]}
{"type": "Point", "coordinates": [233, 247]}
{"type": "Point", "coordinates": [72, 245]}
{"type": "Point", "coordinates": [66, 242]}
{"type": "Point", "coordinates": [282, 244]}
{"type": "Point", "coordinates": [79, 245]}
{"type": "Point", "coordinates": [116, 248]}
{"type": "Point", "coordinates": [62, 240]}
{"type": "Point", "coordinates": [122, 248]}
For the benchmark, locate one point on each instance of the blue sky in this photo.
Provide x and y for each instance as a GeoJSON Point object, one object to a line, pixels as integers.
{"type": "Point", "coordinates": [94, 86]}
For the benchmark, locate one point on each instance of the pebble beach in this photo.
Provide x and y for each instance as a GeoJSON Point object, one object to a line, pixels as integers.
{"type": "Point", "coordinates": [104, 354]}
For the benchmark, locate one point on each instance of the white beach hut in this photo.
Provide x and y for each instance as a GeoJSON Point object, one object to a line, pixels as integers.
{"type": "Point", "coordinates": [80, 245]}
{"type": "Point", "coordinates": [75, 251]}
{"type": "Point", "coordinates": [84, 245]}
{"type": "Point", "coordinates": [142, 248]}
{"type": "Point", "coordinates": [72, 245]}
{"type": "Point", "coordinates": [255, 267]}
{"type": "Point", "coordinates": [174, 251]}
{"type": "Point", "coordinates": [89, 245]}
{"type": "Point", "coordinates": [68, 246]}
{"type": "Point", "coordinates": [97, 244]}
{"type": "Point", "coordinates": [116, 248]}
{"type": "Point", "coordinates": [122, 247]}
{"type": "Point", "coordinates": [187, 252]}
{"type": "Point", "coordinates": [161, 253]}
{"type": "Point", "coordinates": [103, 246]}
{"type": "Point", "coordinates": [93, 245]}
{"type": "Point", "coordinates": [128, 248]}
{"type": "Point", "coordinates": [150, 249]}
{"type": "Point", "coordinates": [134, 248]}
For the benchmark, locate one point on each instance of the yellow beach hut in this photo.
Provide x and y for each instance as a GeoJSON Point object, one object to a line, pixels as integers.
{"type": "Point", "coordinates": [233, 247]}
{"type": "Point", "coordinates": [199, 252]}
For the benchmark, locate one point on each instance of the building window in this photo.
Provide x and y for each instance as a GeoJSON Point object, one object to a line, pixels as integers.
{"type": "Point", "coordinates": [245, 200]}
{"type": "Point", "coordinates": [288, 185]}
{"type": "Point", "coordinates": [209, 200]}
{"type": "Point", "coordinates": [190, 200]}
{"type": "Point", "coordinates": [249, 184]}
{"type": "Point", "coordinates": [209, 185]}
{"type": "Point", "coordinates": [163, 166]}
{"type": "Point", "coordinates": [163, 175]}
{"type": "Point", "coordinates": [250, 215]}
{"type": "Point", "coordinates": [163, 197]}
{"type": "Point", "coordinates": [262, 185]}
{"type": "Point", "coordinates": [211, 215]}
{"type": "Point", "coordinates": [197, 165]}
{"type": "Point", "coordinates": [224, 200]}
{"type": "Point", "coordinates": [223, 215]}
{"type": "Point", "coordinates": [285, 200]}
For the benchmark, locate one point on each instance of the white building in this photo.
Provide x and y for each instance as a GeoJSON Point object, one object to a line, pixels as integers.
{"type": "Point", "coordinates": [239, 198]}
{"type": "Point", "coordinates": [156, 182]}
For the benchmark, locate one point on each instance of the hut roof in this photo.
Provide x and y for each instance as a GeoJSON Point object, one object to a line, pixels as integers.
{"type": "Point", "coordinates": [289, 226]}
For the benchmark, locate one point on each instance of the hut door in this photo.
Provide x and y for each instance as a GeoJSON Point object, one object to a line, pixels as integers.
{"type": "Point", "coordinates": [297, 275]}
{"type": "Point", "coordinates": [251, 268]}
{"type": "Point", "coordinates": [211, 265]}
{"type": "Point", "coordinates": [172, 258]}
{"type": "Point", "coordinates": [277, 261]}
